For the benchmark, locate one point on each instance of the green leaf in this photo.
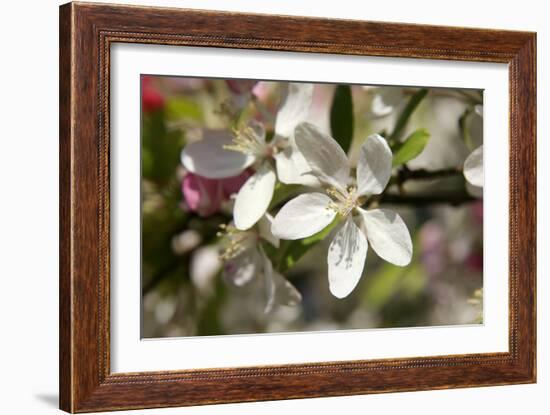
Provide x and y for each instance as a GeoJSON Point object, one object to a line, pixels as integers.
{"type": "Point", "coordinates": [147, 162]}
{"type": "Point", "coordinates": [411, 148]}
{"type": "Point", "coordinates": [161, 148]}
{"type": "Point", "coordinates": [396, 293]}
{"type": "Point", "coordinates": [382, 285]}
{"type": "Point", "coordinates": [283, 192]}
{"type": "Point", "coordinates": [341, 116]}
{"type": "Point", "coordinates": [463, 126]}
{"type": "Point", "coordinates": [292, 251]}
{"type": "Point", "coordinates": [208, 318]}
{"type": "Point", "coordinates": [405, 115]}
{"type": "Point", "coordinates": [181, 108]}
{"type": "Point", "coordinates": [391, 284]}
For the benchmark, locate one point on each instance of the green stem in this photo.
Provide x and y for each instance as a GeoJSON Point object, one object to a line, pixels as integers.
{"type": "Point", "coordinates": [403, 119]}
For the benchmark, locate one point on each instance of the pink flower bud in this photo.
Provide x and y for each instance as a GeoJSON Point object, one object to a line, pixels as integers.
{"type": "Point", "coordinates": [151, 98]}
{"type": "Point", "coordinates": [205, 196]}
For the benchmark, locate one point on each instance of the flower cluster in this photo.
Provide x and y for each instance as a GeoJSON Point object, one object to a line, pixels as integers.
{"type": "Point", "coordinates": [266, 203]}
{"type": "Point", "coordinates": [244, 165]}
{"type": "Point", "coordinates": [344, 195]}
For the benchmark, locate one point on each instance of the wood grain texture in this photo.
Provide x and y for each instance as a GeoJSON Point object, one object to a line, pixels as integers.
{"type": "Point", "coordinates": [86, 33]}
{"type": "Point", "coordinates": [65, 251]}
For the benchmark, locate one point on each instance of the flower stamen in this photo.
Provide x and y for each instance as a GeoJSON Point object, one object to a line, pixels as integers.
{"type": "Point", "coordinates": [345, 200]}
{"type": "Point", "coordinates": [235, 241]}
{"type": "Point", "coordinates": [247, 141]}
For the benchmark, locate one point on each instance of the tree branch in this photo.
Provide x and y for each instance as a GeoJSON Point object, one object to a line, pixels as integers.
{"type": "Point", "coordinates": [404, 174]}
{"type": "Point", "coordinates": [423, 199]}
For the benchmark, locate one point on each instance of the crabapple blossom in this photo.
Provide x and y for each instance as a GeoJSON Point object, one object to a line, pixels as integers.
{"type": "Point", "coordinates": [473, 167]}
{"type": "Point", "coordinates": [223, 155]}
{"type": "Point", "coordinates": [344, 195]}
{"type": "Point", "coordinates": [205, 196]}
{"type": "Point", "coordinates": [245, 259]}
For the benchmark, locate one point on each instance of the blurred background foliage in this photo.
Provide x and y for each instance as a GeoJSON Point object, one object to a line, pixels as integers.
{"type": "Point", "coordinates": [430, 131]}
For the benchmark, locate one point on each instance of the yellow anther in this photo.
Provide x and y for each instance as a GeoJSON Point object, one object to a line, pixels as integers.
{"type": "Point", "coordinates": [234, 241]}
{"type": "Point", "coordinates": [345, 200]}
{"type": "Point", "coordinates": [246, 141]}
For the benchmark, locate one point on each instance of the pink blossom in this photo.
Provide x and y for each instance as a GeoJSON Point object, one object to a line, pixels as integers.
{"type": "Point", "coordinates": [151, 98]}
{"type": "Point", "coordinates": [205, 196]}
{"type": "Point", "coordinates": [262, 90]}
{"type": "Point", "coordinates": [432, 242]}
{"type": "Point", "coordinates": [477, 211]}
{"type": "Point", "coordinates": [241, 92]}
{"type": "Point", "coordinates": [240, 86]}
{"type": "Point", "coordinates": [475, 261]}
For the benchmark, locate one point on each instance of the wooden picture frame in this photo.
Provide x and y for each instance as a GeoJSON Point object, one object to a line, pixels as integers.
{"type": "Point", "coordinates": [86, 33]}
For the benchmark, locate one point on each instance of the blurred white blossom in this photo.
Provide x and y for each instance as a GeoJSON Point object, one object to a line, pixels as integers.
{"type": "Point", "coordinates": [245, 259]}
{"type": "Point", "coordinates": [205, 265]}
{"type": "Point", "coordinates": [186, 241]}
{"type": "Point", "coordinates": [473, 167]}
{"type": "Point", "coordinates": [228, 155]}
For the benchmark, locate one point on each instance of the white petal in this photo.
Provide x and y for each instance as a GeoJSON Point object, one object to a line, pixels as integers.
{"type": "Point", "coordinates": [346, 259]}
{"type": "Point", "coordinates": [374, 166]}
{"type": "Point", "coordinates": [385, 100]}
{"type": "Point", "coordinates": [241, 269]}
{"type": "Point", "coordinates": [303, 216]}
{"type": "Point", "coordinates": [479, 110]}
{"type": "Point", "coordinates": [474, 191]}
{"type": "Point", "coordinates": [294, 108]}
{"type": "Point", "coordinates": [285, 292]}
{"type": "Point", "coordinates": [264, 229]}
{"type": "Point", "coordinates": [324, 155]}
{"type": "Point", "coordinates": [254, 197]}
{"type": "Point", "coordinates": [292, 168]}
{"type": "Point", "coordinates": [269, 283]}
{"type": "Point", "coordinates": [205, 265]}
{"type": "Point", "coordinates": [379, 108]}
{"type": "Point", "coordinates": [388, 235]}
{"type": "Point", "coordinates": [208, 158]}
{"type": "Point", "coordinates": [473, 167]}
{"type": "Point", "coordinates": [278, 289]}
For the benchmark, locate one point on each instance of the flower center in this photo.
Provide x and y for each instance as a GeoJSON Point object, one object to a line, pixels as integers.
{"type": "Point", "coordinates": [234, 241]}
{"type": "Point", "coordinates": [248, 141]}
{"type": "Point", "coordinates": [345, 200]}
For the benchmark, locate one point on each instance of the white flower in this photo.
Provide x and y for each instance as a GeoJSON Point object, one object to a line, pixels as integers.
{"type": "Point", "coordinates": [245, 259]}
{"type": "Point", "coordinates": [309, 213]}
{"type": "Point", "coordinates": [205, 265]}
{"type": "Point", "coordinates": [225, 156]}
{"type": "Point", "coordinates": [473, 167]}
{"type": "Point", "coordinates": [385, 99]}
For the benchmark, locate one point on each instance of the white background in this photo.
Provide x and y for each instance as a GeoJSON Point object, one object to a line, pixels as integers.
{"type": "Point", "coordinates": [29, 208]}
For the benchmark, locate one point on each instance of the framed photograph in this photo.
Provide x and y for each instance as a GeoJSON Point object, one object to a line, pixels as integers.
{"type": "Point", "coordinates": [258, 207]}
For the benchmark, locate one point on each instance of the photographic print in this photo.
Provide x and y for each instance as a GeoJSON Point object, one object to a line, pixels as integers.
{"type": "Point", "coordinates": [275, 206]}
{"type": "Point", "coordinates": [304, 203]}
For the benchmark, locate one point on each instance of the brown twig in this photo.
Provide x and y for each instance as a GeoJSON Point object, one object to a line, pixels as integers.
{"type": "Point", "coordinates": [404, 174]}
{"type": "Point", "coordinates": [423, 199]}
